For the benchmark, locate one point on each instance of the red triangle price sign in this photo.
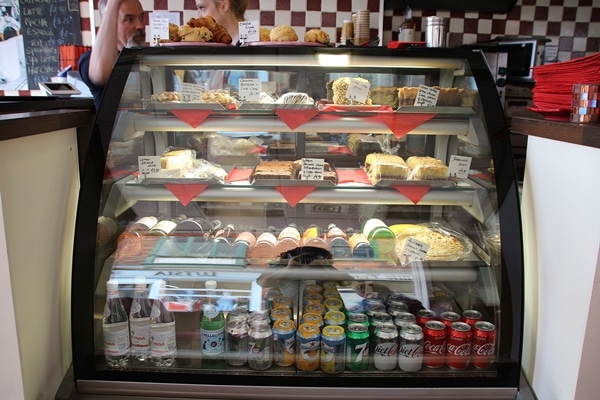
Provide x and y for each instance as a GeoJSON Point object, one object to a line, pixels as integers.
{"type": "Point", "coordinates": [413, 193]}
{"type": "Point", "coordinates": [192, 117]}
{"type": "Point", "coordinates": [295, 118]}
{"type": "Point", "coordinates": [294, 194]}
{"type": "Point", "coordinates": [185, 192]}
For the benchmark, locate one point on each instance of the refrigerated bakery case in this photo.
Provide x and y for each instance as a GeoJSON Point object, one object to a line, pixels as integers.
{"type": "Point", "coordinates": [393, 169]}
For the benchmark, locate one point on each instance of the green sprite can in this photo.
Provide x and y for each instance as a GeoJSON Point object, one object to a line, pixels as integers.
{"type": "Point", "coordinates": [358, 318]}
{"type": "Point", "coordinates": [333, 349]}
{"type": "Point", "coordinates": [357, 347]}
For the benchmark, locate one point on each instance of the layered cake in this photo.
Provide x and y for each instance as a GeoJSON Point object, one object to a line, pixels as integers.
{"type": "Point", "coordinates": [385, 95]}
{"type": "Point", "coordinates": [340, 88]}
{"type": "Point", "coordinates": [273, 170]}
{"type": "Point", "coordinates": [426, 168]}
{"type": "Point", "coordinates": [380, 166]}
{"type": "Point", "coordinates": [447, 97]}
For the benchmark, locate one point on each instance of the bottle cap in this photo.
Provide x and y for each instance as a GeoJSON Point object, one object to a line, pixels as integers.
{"type": "Point", "coordinates": [210, 284]}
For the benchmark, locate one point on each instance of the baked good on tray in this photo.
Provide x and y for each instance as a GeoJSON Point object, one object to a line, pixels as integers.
{"type": "Point", "coordinates": [273, 170]}
{"type": "Point", "coordinates": [447, 97]}
{"type": "Point", "coordinates": [360, 144]}
{"type": "Point", "coordinates": [385, 95]}
{"type": "Point", "coordinates": [190, 34]}
{"type": "Point", "coordinates": [426, 168]}
{"type": "Point", "coordinates": [178, 159]}
{"type": "Point", "coordinates": [340, 88]}
{"type": "Point", "coordinates": [317, 35]}
{"type": "Point", "coordinates": [444, 244]}
{"type": "Point", "coordinates": [283, 33]}
{"type": "Point", "coordinates": [379, 166]}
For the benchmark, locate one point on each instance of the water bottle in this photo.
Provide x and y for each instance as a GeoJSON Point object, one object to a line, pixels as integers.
{"type": "Point", "coordinates": [212, 328]}
{"type": "Point", "coordinates": [139, 321]}
{"type": "Point", "coordinates": [115, 325]}
{"type": "Point", "coordinates": [163, 340]}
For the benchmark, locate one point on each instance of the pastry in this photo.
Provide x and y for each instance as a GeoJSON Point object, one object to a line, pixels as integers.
{"type": "Point", "coordinates": [190, 34]}
{"type": "Point", "coordinates": [273, 170]}
{"type": "Point", "coordinates": [447, 97]}
{"type": "Point", "coordinates": [317, 35]}
{"type": "Point", "coordinates": [340, 88]}
{"type": "Point", "coordinates": [217, 96]}
{"type": "Point", "coordinates": [385, 95]}
{"type": "Point", "coordinates": [294, 98]}
{"type": "Point", "coordinates": [165, 97]}
{"type": "Point", "coordinates": [283, 33]}
{"type": "Point", "coordinates": [415, 161]}
{"type": "Point", "coordinates": [360, 144]}
{"type": "Point", "coordinates": [178, 159]}
{"type": "Point", "coordinates": [380, 166]}
{"type": "Point", "coordinates": [442, 245]}
{"type": "Point", "coordinates": [265, 34]}
{"type": "Point", "coordinates": [407, 96]}
{"type": "Point", "coordinates": [174, 32]}
{"type": "Point", "coordinates": [426, 168]}
{"type": "Point", "coordinates": [218, 32]}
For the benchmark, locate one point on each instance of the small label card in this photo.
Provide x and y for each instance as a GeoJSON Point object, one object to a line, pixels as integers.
{"type": "Point", "coordinates": [191, 93]}
{"type": "Point", "coordinates": [148, 166]}
{"type": "Point", "coordinates": [159, 28]}
{"type": "Point", "coordinates": [249, 90]}
{"type": "Point", "coordinates": [426, 96]}
{"type": "Point", "coordinates": [459, 167]}
{"type": "Point", "coordinates": [357, 91]}
{"type": "Point", "coordinates": [312, 169]}
{"type": "Point", "coordinates": [415, 250]}
{"type": "Point", "coordinates": [249, 31]}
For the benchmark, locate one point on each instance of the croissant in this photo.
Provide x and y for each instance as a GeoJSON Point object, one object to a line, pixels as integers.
{"type": "Point", "coordinates": [220, 35]}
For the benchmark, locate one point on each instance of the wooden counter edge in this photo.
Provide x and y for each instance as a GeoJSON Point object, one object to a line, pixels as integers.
{"type": "Point", "coordinates": [17, 125]}
{"type": "Point", "coordinates": [564, 131]}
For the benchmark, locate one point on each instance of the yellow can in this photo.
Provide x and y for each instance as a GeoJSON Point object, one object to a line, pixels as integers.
{"type": "Point", "coordinates": [308, 341]}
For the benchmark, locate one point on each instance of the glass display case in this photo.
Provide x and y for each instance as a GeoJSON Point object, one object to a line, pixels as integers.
{"type": "Point", "coordinates": [268, 221]}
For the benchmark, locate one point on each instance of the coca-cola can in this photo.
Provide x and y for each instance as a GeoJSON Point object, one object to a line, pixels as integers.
{"type": "Point", "coordinates": [386, 347]}
{"type": "Point", "coordinates": [471, 316]}
{"type": "Point", "coordinates": [458, 348]}
{"type": "Point", "coordinates": [410, 348]}
{"type": "Point", "coordinates": [448, 317]}
{"type": "Point", "coordinates": [434, 344]}
{"type": "Point", "coordinates": [483, 348]}
{"type": "Point", "coordinates": [425, 315]}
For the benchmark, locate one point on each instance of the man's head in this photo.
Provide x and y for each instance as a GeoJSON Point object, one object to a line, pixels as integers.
{"type": "Point", "coordinates": [131, 25]}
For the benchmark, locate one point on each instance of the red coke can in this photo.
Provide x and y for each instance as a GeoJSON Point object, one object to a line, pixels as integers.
{"type": "Point", "coordinates": [448, 317]}
{"type": "Point", "coordinates": [424, 315]}
{"type": "Point", "coordinates": [434, 344]}
{"type": "Point", "coordinates": [458, 348]}
{"type": "Point", "coordinates": [471, 316]}
{"type": "Point", "coordinates": [483, 348]}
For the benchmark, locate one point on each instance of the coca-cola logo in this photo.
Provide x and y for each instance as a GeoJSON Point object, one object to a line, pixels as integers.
{"type": "Point", "coordinates": [411, 351]}
{"type": "Point", "coordinates": [460, 350]}
{"type": "Point", "coordinates": [433, 348]}
{"type": "Point", "coordinates": [487, 349]}
{"type": "Point", "coordinates": [386, 349]}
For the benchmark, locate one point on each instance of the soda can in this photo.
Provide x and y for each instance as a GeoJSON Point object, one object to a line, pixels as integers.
{"type": "Point", "coordinates": [260, 346]}
{"type": "Point", "coordinates": [333, 349]}
{"type": "Point", "coordinates": [313, 288]}
{"type": "Point", "coordinates": [308, 346]}
{"type": "Point", "coordinates": [471, 316]}
{"type": "Point", "coordinates": [331, 293]}
{"type": "Point", "coordinates": [448, 317]}
{"type": "Point", "coordinates": [333, 304]}
{"type": "Point", "coordinates": [404, 318]}
{"type": "Point", "coordinates": [334, 318]}
{"type": "Point", "coordinates": [236, 342]}
{"type": "Point", "coordinates": [358, 318]}
{"type": "Point", "coordinates": [410, 348]}
{"type": "Point", "coordinates": [282, 301]}
{"type": "Point", "coordinates": [280, 313]}
{"type": "Point", "coordinates": [374, 306]}
{"type": "Point", "coordinates": [315, 308]}
{"type": "Point", "coordinates": [271, 294]}
{"type": "Point", "coordinates": [385, 351]}
{"type": "Point", "coordinates": [458, 348]}
{"type": "Point", "coordinates": [357, 347]}
{"type": "Point", "coordinates": [394, 296]}
{"type": "Point", "coordinates": [312, 298]}
{"type": "Point", "coordinates": [483, 348]}
{"type": "Point", "coordinates": [311, 318]}
{"type": "Point", "coordinates": [424, 315]}
{"type": "Point", "coordinates": [395, 306]}
{"type": "Point", "coordinates": [434, 344]}
{"type": "Point", "coordinates": [259, 316]}
{"type": "Point", "coordinates": [284, 342]}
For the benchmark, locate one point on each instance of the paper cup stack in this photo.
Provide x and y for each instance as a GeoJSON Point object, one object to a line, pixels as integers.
{"type": "Point", "coordinates": [361, 26]}
{"type": "Point", "coordinates": [584, 106]}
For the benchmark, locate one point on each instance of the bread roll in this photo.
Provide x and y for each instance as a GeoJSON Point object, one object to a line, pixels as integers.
{"type": "Point", "coordinates": [265, 34]}
{"type": "Point", "coordinates": [283, 33]}
{"type": "Point", "coordinates": [317, 35]}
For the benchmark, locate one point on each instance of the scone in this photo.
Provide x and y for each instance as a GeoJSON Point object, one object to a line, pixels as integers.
{"type": "Point", "coordinates": [317, 35]}
{"type": "Point", "coordinates": [283, 33]}
{"type": "Point", "coordinates": [174, 32]}
{"type": "Point", "coordinates": [265, 34]}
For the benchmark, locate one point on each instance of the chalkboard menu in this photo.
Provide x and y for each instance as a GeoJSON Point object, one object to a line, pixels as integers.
{"type": "Point", "coordinates": [45, 25]}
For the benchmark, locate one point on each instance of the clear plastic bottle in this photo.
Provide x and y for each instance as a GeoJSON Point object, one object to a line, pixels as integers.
{"type": "Point", "coordinates": [139, 321]}
{"type": "Point", "coordinates": [163, 338]}
{"type": "Point", "coordinates": [406, 32]}
{"type": "Point", "coordinates": [212, 328]}
{"type": "Point", "coordinates": [115, 325]}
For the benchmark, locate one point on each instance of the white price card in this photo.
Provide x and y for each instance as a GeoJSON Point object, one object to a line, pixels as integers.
{"type": "Point", "coordinates": [459, 167]}
{"type": "Point", "coordinates": [249, 31]}
{"type": "Point", "coordinates": [159, 28]}
{"type": "Point", "coordinates": [249, 91]}
{"type": "Point", "coordinates": [358, 91]}
{"type": "Point", "coordinates": [148, 166]}
{"type": "Point", "coordinates": [312, 169]}
{"type": "Point", "coordinates": [191, 93]}
{"type": "Point", "coordinates": [173, 17]}
{"type": "Point", "coordinates": [414, 250]}
{"type": "Point", "coordinates": [426, 96]}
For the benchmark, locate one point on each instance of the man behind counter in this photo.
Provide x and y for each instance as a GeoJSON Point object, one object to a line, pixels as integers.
{"type": "Point", "coordinates": [121, 25]}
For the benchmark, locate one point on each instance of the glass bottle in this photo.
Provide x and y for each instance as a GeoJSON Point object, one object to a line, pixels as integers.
{"type": "Point", "coordinates": [115, 326]}
{"type": "Point", "coordinates": [288, 238]}
{"type": "Point", "coordinates": [337, 241]}
{"type": "Point", "coordinates": [163, 339]}
{"type": "Point", "coordinates": [212, 328]}
{"type": "Point", "coordinates": [226, 234]}
{"type": "Point", "coordinates": [139, 321]}
{"type": "Point", "coordinates": [166, 226]}
{"type": "Point", "coordinates": [130, 241]}
{"type": "Point", "coordinates": [380, 236]}
{"type": "Point", "coordinates": [406, 32]}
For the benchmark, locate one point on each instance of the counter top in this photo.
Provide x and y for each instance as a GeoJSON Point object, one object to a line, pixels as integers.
{"type": "Point", "coordinates": [534, 124]}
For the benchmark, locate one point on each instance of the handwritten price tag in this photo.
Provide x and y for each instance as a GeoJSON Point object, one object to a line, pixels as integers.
{"type": "Point", "coordinates": [459, 167]}
{"type": "Point", "coordinates": [426, 96]}
{"type": "Point", "coordinates": [249, 31]}
{"type": "Point", "coordinates": [357, 91]}
{"type": "Point", "coordinates": [159, 28]}
{"type": "Point", "coordinates": [312, 169]}
{"type": "Point", "coordinates": [415, 250]}
{"type": "Point", "coordinates": [191, 93]}
{"type": "Point", "coordinates": [249, 91]}
{"type": "Point", "coordinates": [148, 166]}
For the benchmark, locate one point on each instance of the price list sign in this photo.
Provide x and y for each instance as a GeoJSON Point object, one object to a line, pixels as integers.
{"type": "Point", "coordinates": [358, 91]}
{"type": "Point", "coordinates": [312, 169]}
{"type": "Point", "coordinates": [249, 31]}
{"type": "Point", "coordinates": [148, 166]}
{"type": "Point", "coordinates": [459, 167]}
{"type": "Point", "coordinates": [249, 91]}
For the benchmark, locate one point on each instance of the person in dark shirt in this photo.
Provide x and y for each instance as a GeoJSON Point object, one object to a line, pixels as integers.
{"type": "Point", "coordinates": [122, 25]}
